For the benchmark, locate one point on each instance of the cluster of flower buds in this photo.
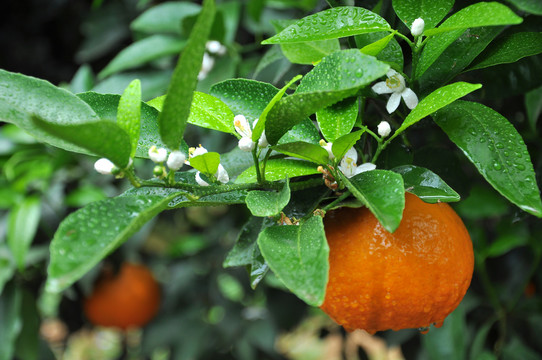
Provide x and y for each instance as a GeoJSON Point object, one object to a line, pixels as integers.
{"type": "Point", "coordinates": [221, 174]}
{"type": "Point", "coordinates": [243, 128]}
{"type": "Point", "coordinates": [213, 47]}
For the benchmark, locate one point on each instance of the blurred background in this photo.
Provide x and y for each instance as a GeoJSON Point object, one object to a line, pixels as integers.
{"type": "Point", "coordinates": [208, 312]}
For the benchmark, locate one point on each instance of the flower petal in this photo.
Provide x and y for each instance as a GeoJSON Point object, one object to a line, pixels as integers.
{"type": "Point", "coordinates": [351, 154]}
{"type": "Point", "coordinates": [381, 88]}
{"type": "Point", "coordinates": [364, 167]}
{"type": "Point", "coordinates": [222, 174]}
{"type": "Point", "coordinates": [200, 181]}
{"type": "Point", "coordinates": [411, 100]}
{"type": "Point", "coordinates": [242, 126]}
{"type": "Point", "coordinates": [393, 102]}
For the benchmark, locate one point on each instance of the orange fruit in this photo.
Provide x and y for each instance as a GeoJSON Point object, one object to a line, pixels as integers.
{"type": "Point", "coordinates": [128, 299]}
{"type": "Point", "coordinates": [412, 278]}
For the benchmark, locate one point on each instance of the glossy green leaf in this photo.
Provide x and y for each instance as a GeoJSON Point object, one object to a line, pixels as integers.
{"type": "Point", "coordinates": [308, 52]}
{"type": "Point", "coordinates": [165, 17]}
{"type": "Point", "coordinates": [206, 163]}
{"type": "Point", "coordinates": [260, 126]}
{"type": "Point", "coordinates": [142, 52]}
{"type": "Point", "coordinates": [23, 223]}
{"type": "Point", "coordinates": [472, 16]}
{"type": "Point", "coordinates": [279, 169]}
{"type": "Point", "coordinates": [88, 235]}
{"type": "Point", "coordinates": [206, 111]}
{"type": "Point", "coordinates": [268, 203]}
{"type": "Point", "coordinates": [129, 113]}
{"type": "Point", "coordinates": [345, 143]}
{"type": "Point", "coordinates": [174, 116]}
{"type": "Point", "coordinates": [533, 105]}
{"type": "Point", "coordinates": [437, 100]}
{"type": "Point", "coordinates": [432, 12]}
{"type": "Point", "coordinates": [10, 320]}
{"type": "Point", "coordinates": [306, 151]}
{"type": "Point", "coordinates": [331, 24]}
{"type": "Point", "coordinates": [391, 54]}
{"type": "Point", "coordinates": [298, 255]}
{"type": "Point", "coordinates": [103, 138]}
{"type": "Point", "coordinates": [23, 96]}
{"type": "Point", "coordinates": [425, 184]}
{"type": "Point", "coordinates": [338, 76]}
{"type": "Point", "coordinates": [383, 193]}
{"type": "Point", "coordinates": [509, 49]}
{"type": "Point", "coordinates": [457, 57]}
{"type": "Point", "coordinates": [338, 119]}
{"type": "Point", "coordinates": [106, 105]}
{"type": "Point", "coordinates": [305, 131]}
{"type": "Point", "coordinates": [375, 48]}
{"type": "Point", "coordinates": [492, 144]}
{"type": "Point", "coordinates": [530, 6]}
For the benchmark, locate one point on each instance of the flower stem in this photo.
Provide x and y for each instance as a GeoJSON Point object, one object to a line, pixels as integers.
{"type": "Point", "coordinates": [134, 180]}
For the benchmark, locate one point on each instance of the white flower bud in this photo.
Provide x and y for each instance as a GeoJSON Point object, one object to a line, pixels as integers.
{"type": "Point", "coordinates": [157, 155]}
{"type": "Point", "coordinates": [417, 27]}
{"type": "Point", "coordinates": [246, 144]}
{"type": "Point", "coordinates": [384, 129]}
{"type": "Point", "coordinates": [222, 174]}
{"type": "Point", "coordinates": [262, 142]}
{"type": "Point", "coordinates": [104, 166]}
{"type": "Point", "coordinates": [200, 150]}
{"type": "Point", "coordinates": [215, 47]}
{"type": "Point", "coordinates": [328, 146]}
{"type": "Point", "coordinates": [175, 160]}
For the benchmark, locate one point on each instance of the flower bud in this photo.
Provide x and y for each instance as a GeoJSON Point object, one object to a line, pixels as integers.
{"type": "Point", "coordinates": [417, 27]}
{"type": "Point", "coordinates": [104, 166]}
{"type": "Point", "coordinates": [175, 160]}
{"type": "Point", "coordinates": [215, 47]}
{"type": "Point", "coordinates": [159, 171]}
{"type": "Point", "coordinates": [246, 144]}
{"type": "Point", "coordinates": [384, 129]}
{"type": "Point", "coordinates": [157, 155]}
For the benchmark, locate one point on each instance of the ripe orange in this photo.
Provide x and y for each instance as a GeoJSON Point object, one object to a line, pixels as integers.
{"type": "Point", "coordinates": [412, 278]}
{"type": "Point", "coordinates": [128, 299]}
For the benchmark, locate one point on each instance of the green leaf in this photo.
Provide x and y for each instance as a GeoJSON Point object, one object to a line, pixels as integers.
{"type": "Point", "coordinates": [338, 119]}
{"type": "Point", "coordinates": [260, 126]}
{"type": "Point", "coordinates": [7, 266]}
{"type": "Point", "coordinates": [338, 76]}
{"type": "Point", "coordinates": [298, 255]}
{"type": "Point", "coordinates": [472, 16]}
{"type": "Point", "coordinates": [533, 105]}
{"type": "Point", "coordinates": [344, 143]}
{"type": "Point", "coordinates": [437, 100]}
{"type": "Point", "coordinates": [23, 96]}
{"type": "Point", "coordinates": [432, 12]}
{"type": "Point", "coordinates": [22, 226]}
{"type": "Point", "coordinates": [268, 203]}
{"type": "Point", "coordinates": [88, 235]}
{"type": "Point", "coordinates": [129, 113]}
{"type": "Point", "coordinates": [331, 24]}
{"type": "Point", "coordinates": [305, 131]}
{"type": "Point", "coordinates": [206, 111]}
{"type": "Point", "coordinates": [165, 17]}
{"type": "Point", "coordinates": [530, 6]}
{"type": "Point", "coordinates": [383, 193]}
{"type": "Point", "coordinates": [510, 237]}
{"type": "Point", "coordinates": [142, 52]}
{"type": "Point", "coordinates": [509, 49]}
{"type": "Point", "coordinates": [376, 47]}
{"type": "Point", "coordinates": [10, 320]}
{"type": "Point", "coordinates": [492, 144]}
{"type": "Point", "coordinates": [308, 52]}
{"type": "Point", "coordinates": [278, 169]}
{"type": "Point", "coordinates": [482, 202]}
{"type": "Point", "coordinates": [27, 344]}
{"type": "Point", "coordinates": [450, 341]}
{"type": "Point", "coordinates": [391, 54]}
{"type": "Point", "coordinates": [103, 138]}
{"type": "Point", "coordinates": [425, 184]}
{"type": "Point", "coordinates": [305, 151]}
{"type": "Point", "coordinates": [457, 57]}
{"type": "Point", "coordinates": [154, 82]}
{"type": "Point", "coordinates": [83, 80]}
{"type": "Point", "coordinates": [206, 163]}
{"type": "Point", "coordinates": [174, 116]}
{"type": "Point", "coordinates": [106, 105]}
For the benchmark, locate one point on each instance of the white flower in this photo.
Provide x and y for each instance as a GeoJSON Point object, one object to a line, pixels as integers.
{"type": "Point", "coordinates": [104, 166]}
{"type": "Point", "coordinates": [175, 160]}
{"type": "Point", "coordinates": [349, 167]}
{"type": "Point", "coordinates": [328, 147]}
{"type": "Point", "coordinates": [193, 152]}
{"type": "Point", "coordinates": [157, 155]}
{"type": "Point", "coordinates": [242, 127]}
{"type": "Point", "coordinates": [221, 175]}
{"type": "Point", "coordinates": [206, 66]}
{"type": "Point", "coordinates": [215, 47]}
{"type": "Point", "coordinates": [417, 27]}
{"type": "Point", "coordinates": [395, 84]}
{"type": "Point", "coordinates": [384, 129]}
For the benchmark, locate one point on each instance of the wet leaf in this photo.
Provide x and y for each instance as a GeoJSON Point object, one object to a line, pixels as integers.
{"type": "Point", "coordinates": [391, 54]}
{"type": "Point", "coordinates": [338, 119]}
{"type": "Point", "coordinates": [279, 169]}
{"type": "Point", "coordinates": [383, 193]}
{"type": "Point", "coordinates": [165, 17]}
{"type": "Point", "coordinates": [206, 163]}
{"type": "Point", "coordinates": [492, 144]}
{"type": "Point", "coordinates": [305, 151]}
{"type": "Point", "coordinates": [530, 6]}
{"type": "Point", "coordinates": [23, 223]}
{"type": "Point", "coordinates": [345, 142]}
{"type": "Point", "coordinates": [432, 12]}
{"type": "Point", "coordinates": [129, 113]}
{"type": "Point", "coordinates": [298, 255]}
{"type": "Point", "coordinates": [331, 24]}
{"type": "Point", "coordinates": [268, 203]}
{"type": "Point", "coordinates": [425, 184]}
